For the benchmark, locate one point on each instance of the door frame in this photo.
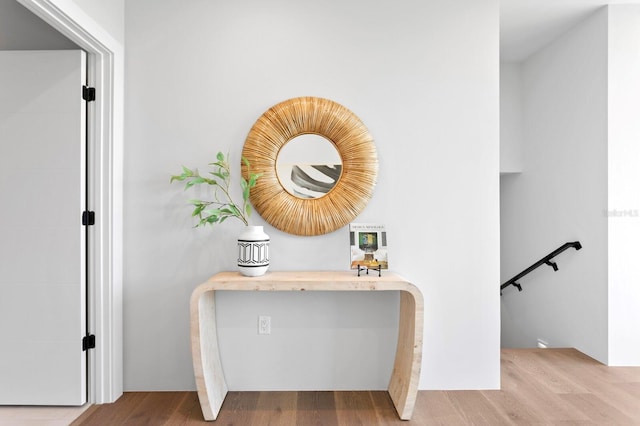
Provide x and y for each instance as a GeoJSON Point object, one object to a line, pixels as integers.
{"type": "Point", "coordinates": [105, 57]}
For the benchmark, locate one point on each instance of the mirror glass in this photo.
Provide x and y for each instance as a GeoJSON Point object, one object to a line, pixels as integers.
{"type": "Point", "coordinates": [309, 166]}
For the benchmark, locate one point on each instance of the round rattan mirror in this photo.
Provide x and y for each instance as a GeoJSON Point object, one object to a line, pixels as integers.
{"type": "Point", "coordinates": [354, 187]}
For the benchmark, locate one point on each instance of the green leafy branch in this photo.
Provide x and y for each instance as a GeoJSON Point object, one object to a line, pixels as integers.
{"type": "Point", "coordinates": [222, 206]}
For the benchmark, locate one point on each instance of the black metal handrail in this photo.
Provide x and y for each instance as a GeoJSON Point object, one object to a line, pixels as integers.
{"type": "Point", "coordinates": [544, 261]}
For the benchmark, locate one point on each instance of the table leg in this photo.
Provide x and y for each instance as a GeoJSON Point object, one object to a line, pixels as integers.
{"type": "Point", "coordinates": [210, 382]}
{"type": "Point", "coordinates": [403, 386]}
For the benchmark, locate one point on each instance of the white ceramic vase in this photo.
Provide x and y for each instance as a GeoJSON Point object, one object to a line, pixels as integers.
{"type": "Point", "coordinates": [253, 251]}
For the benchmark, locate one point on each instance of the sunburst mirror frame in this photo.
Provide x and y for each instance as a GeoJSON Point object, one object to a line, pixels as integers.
{"type": "Point", "coordinates": [352, 140]}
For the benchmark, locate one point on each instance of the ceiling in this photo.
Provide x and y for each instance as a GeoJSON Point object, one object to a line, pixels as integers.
{"type": "Point", "coordinates": [528, 25]}
{"type": "Point", "coordinates": [22, 30]}
{"type": "Point", "coordinates": [525, 25]}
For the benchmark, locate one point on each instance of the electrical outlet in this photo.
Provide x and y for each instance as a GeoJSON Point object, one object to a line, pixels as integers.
{"type": "Point", "coordinates": [264, 324]}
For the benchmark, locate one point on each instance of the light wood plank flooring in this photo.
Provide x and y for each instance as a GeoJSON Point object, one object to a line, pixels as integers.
{"type": "Point", "coordinates": [39, 416]}
{"type": "Point", "coordinates": [539, 387]}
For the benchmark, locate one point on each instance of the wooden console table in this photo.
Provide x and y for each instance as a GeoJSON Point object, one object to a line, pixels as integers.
{"type": "Point", "coordinates": [210, 382]}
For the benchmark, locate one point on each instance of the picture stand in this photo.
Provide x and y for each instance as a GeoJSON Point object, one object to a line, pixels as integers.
{"type": "Point", "coordinates": [366, 268]}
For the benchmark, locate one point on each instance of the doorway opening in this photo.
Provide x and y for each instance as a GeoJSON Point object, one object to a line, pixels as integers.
{"type": "Point", "coordinates": [104, 180]}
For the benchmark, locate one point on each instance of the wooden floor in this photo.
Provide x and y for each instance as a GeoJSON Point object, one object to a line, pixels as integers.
{"type": "Point", "coordinates": [11, 415]}
{"type": "Point", "coordinates": [539, 387]}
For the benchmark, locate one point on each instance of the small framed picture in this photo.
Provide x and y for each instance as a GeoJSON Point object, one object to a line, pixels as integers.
{"type": "Point", "coordinates": [368, 246]}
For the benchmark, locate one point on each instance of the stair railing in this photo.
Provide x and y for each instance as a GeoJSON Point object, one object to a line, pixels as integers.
{"type": "Point", "coordinates": [544, 261]}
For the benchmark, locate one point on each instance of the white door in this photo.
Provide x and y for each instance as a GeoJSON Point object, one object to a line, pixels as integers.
{"type": "Point", "coordinates": [42, 240]}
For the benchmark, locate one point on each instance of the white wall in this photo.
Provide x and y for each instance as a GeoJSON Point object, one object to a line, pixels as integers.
{"type": "Point", "coordinates": [562, 196]}
{"type": "Point", "coordinates": [624, 178]}
{"type": "Point", "coordinates": [511, 120]}
{"type": "Point", "coordinates": [109, 14]}
{"type": "Point", "coordinates": [423, 77]}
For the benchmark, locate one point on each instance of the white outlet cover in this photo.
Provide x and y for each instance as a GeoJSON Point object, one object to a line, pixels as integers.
{"type": "Point", "coordinates": [264, 324]}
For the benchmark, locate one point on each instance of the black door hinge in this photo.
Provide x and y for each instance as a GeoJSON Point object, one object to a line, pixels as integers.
{"type": "Point", "coordinates": [88, 218]}
{"type": "Point", "coordinates": [88, 93]}
{"type": "Point", "coordinates": [89, 342]}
